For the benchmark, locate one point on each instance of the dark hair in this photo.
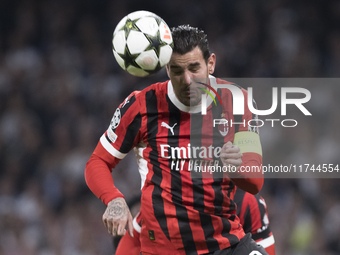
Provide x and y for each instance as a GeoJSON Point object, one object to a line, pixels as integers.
{"type": "Point", "coordinates": [186, 38]}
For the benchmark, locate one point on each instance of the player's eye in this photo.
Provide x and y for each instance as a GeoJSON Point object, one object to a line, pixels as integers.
{"type": "Point", "coordinates": [177, 71]}
{"type": "Point", "coordinates": [194, 69]}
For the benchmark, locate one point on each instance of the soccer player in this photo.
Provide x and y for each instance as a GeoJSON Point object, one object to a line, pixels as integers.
{"type": "Point", "coordinates": [184, 210]}
{"type": "Point", "coordinates": [251, 209]}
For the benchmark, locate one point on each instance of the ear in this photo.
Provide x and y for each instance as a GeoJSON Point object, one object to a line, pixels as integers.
{"type": "Point", "coordinates": [211, 63]}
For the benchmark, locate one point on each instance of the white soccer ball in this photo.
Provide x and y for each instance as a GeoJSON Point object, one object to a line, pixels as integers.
{"type": "Point", "coordinates": [142, 43]}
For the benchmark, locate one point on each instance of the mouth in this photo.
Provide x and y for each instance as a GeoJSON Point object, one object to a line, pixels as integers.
{"type": "Point", "coordinates": [190, 93]}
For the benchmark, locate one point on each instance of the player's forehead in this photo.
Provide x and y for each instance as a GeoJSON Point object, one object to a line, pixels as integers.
{"type": "Point", "coordinates": [192, 58]}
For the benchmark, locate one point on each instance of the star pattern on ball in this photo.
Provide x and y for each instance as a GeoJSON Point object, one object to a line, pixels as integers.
{"type": "Point", "coordinates": [155, 43]}
{"type": "Point", "coordinates": [140, 35]}
{"type": "Point", "coordinates": [129, 59]}
{"type": "Point", "coordinates": [130, 25]}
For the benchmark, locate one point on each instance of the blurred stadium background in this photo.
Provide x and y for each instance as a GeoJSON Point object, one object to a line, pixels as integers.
{"type": "Point", "coordinates": [60, 85]}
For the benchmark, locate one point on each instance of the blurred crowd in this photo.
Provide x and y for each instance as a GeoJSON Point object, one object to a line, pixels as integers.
{"type": "Point", "coordinates": [60, 85]}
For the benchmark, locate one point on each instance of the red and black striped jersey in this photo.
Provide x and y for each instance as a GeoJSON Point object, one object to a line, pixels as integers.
{"type": "Point", "coordinates": [184, 211]}
{"type": "Point", "coordinates": [252, 211]}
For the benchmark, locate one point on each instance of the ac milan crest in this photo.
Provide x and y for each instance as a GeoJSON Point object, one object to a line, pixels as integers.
{"type": "Point", "coordinates": [223, 127]}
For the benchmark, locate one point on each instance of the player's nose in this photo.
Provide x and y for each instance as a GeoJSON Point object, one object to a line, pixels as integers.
{"type": "Point", "coordinates": [186, 79]}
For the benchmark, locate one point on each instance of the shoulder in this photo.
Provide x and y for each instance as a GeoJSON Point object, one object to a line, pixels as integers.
{"type": "Point", "coordinates": [236, 86]}
{"type": "Point", "coordinates": [156, 89]}
{"type": "Point", "coordinates": [140, 96]}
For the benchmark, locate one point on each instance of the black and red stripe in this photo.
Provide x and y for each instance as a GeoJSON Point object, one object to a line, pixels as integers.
{"type": "Point", "coordinates": [185, 210]}
{"type": "Point", "coordinates": [152, 130]}
{"type": "Point", "coordinates": [176, 181]}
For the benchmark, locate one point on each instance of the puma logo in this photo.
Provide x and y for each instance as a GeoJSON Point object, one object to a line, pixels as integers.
{"type": "Point", "coordinates": [168, 127]}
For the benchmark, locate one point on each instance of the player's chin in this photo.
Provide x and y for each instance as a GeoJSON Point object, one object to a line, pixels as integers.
{"type": "Point", "coordinates": [195, 100]}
